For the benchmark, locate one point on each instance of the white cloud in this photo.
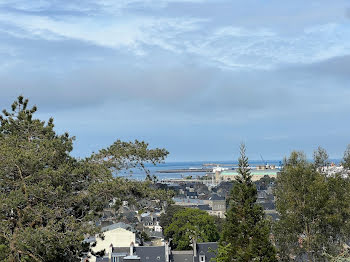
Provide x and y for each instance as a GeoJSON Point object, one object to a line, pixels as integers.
{"type": "Point", "coordinates": [111, 32]}
{"type": "Point", "coordinates": [237, 48]}
{"type": "Point", "coordinates": [114, 24]}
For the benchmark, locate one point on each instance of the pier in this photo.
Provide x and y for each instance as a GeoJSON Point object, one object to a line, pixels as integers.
{"type": "Point", "coordinates": [190, 170]}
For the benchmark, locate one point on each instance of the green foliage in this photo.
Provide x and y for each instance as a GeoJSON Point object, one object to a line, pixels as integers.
{"type": "Point", "coordinates": [125, 155]}
{"type": "Point", "coordinates": [223, 253]}
{"type": "Point", "coordinates": [167, 217]}
{"type": "Point", "coordinates": [314, 210]}
{"type": "Point", "coordinates": [246, 232]}
{"type": "Point", "coordinates": [188, 224]}
{"type": "Point", "coordinates": [219, 222]}
{"type": "Point", "coordinates": [321, 158]}
{"type": "Point", "coordinates": [48, 199]}
{"type": "Point", "coordinates": [4, 249]}
{"type": "Point", "coordinates": [145, 236]}
{"type": "Point", "coordinates": [343, 257]}
{"type": "Point", "coordinates": [346, 158]}
{"type": "Point", "coordinates": [264, 182]}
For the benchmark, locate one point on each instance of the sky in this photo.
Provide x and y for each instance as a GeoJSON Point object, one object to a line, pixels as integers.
{"type": "Point", "coordinates": [197, 77]}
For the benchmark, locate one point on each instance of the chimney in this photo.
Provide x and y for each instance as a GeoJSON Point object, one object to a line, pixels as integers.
{"type": "Point", "coordinates": [110, 253]}
{"type": "Point", "coordinates": [194, 243]}
{"type": "Point", "coordinates": [167, 251]}
{"type": "Point", "coordinates": [131, 249]}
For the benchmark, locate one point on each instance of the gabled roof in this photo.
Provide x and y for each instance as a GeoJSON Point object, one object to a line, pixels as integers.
{"type": "Point", "coordinates": [216, 197]}
{"type": "Point", "coordinates": [147, 219]}
{"type": "Point", "coordinates": [140, 254]}
{"type": "Point", "coordinates": [206, 249]}
{"type": "Point", "coordinates": [181, 256]}
{"type": "Point", "coordinates": [148, 254]}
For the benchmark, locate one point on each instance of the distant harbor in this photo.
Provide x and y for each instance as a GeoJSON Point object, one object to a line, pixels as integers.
{"type": "Point", "coordinates": [196, 169]}
{"type": "Point", "coordinates": [187, 170]}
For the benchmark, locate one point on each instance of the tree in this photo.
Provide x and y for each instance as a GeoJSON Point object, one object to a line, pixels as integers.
{"type": "Point", "coordinates": [346, 158]}
{"type": "Point", "coordinates": [189, 224]}
{"type": "Point", "coordinates": [343, 257]}
{"type": "Point", "coordinates": [49, 200]}
{"type": "Point", "coordinates": [167, 217]}
{"type": "Point", "coordinates": [321, 158]}
{"type": "Point", "coordinates": [314, 211]}
{"type": "Point", "coordinates": [264, 182]}
{"type": "Point", "coordinates": [246, 232]}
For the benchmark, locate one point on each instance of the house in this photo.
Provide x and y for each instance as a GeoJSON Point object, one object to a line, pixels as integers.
{"type": "Point", "coordinates": [136, 254]}
{"type": "Point", "coordinates": [218, 205]}
{"type": "Point", "coordinates": [192, 195]}
{"type": "Point", "coordinates": [202, 252]}
{"type": "Point", "coordinates": [151, 221]}
{"type": "Point", "coordinates": [120, 234]}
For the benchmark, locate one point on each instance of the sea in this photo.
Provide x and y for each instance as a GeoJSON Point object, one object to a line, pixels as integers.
{"type": "Point", "coordinates": [139, 174]}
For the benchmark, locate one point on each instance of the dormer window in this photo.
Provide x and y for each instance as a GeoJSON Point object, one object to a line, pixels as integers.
{"type": "Point", "coordinates": [202, 258]}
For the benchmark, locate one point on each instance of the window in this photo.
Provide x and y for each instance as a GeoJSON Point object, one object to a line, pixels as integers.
{"type": "Point", "coordinates": [202, 258]}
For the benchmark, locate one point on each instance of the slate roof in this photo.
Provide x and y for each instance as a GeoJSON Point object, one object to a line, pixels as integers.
{"type": "Point", "coordinates": [182, 256]}
{"type": "Point", "coordinates": [268, 205]}
{"type": "Point", "coordinates": [141, 254]}
{"type": "Point", "coordinates": [157, 254]}
{"type": "Point", "coordinates": [216, 197]}
{"type": "Point", "coordinates": [148, 219]}
{"type": "Point", "coordinates": [150, 254]}
{"type": "Point", "coordinates": [204, 207]}
{"type": "Point", "coordinates": [194, 194]}
{"type": "Point", "coordinates": [262, 194]}
{"type": "Point", "coordinates": [206, 249]}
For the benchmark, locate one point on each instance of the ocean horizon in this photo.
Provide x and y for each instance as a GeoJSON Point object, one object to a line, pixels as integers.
{"type": "Point", "coordinates": [139, 174]}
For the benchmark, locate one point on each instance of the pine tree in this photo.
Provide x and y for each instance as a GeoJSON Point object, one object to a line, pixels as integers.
{"type": "Point", "coordinates": [246, 232]}
{"type": "Point", "coordinates": [49, 200]}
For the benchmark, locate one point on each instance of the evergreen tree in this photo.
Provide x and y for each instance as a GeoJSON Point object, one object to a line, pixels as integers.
{"type": "Point", "coordinates": [50, 200]}
{"type": "Point", "coordinates": [314, 211]}
{"type": "Point", "coordinates": [320, 158]}
{"type": "Point", "coordinates": [346, 158]}
{"type": "Point", "coordinates": [246, 232]}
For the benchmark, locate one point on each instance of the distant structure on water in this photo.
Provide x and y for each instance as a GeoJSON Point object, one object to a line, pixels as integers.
{"type": "Point", "coordinates": [224, 174]}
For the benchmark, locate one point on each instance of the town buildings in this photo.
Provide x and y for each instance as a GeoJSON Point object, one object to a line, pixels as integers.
{"type": "Point", "coordinates": [201, 252]}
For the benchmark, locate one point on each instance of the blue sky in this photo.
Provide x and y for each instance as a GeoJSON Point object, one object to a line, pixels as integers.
{"type": "Point", "coordinates": [194, 76]}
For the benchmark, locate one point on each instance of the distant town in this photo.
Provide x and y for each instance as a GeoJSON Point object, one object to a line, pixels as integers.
{"type": "Point", "coordinates": [132, 234]}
